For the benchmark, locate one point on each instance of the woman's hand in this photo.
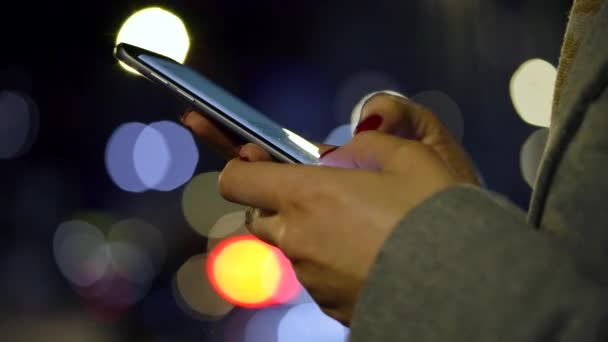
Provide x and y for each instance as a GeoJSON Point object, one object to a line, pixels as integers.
{"type": "Point", "coordinates": [331, 221]}
{"type": "Point", "coordinates": [392, 114]}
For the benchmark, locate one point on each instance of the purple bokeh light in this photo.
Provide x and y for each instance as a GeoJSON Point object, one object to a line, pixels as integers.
{"type": "Point", "coordinates": [160, 156]}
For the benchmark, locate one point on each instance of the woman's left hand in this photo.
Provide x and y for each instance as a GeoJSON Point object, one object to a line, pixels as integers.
{"type": "Point", "coordinates": [332, 221]}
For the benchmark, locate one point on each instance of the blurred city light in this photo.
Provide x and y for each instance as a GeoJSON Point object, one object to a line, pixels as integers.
{"type": "Point", "coordinates": [227, 225]}
{"type": "Point", "coordinates": [357, 87]}
{"type": "Point", "coordinates": [130, 262]}
{"type": "Point", "coordinates": [446, 109]}
{"type": "Point", "coordinates": [263, 326]}
{"type": "Point", "coordinates": [531, 154]}
{"type": "Point", "coordinates": [339, 136]}
{"type": "Point", "coordinates": [157, 30]}
{"type": "Point", "coordinates": [119, 157]}
{"type": "Point", "coordinates": [202, 204]}
{"type": "Point", "coordinates": [79, 250]}
{"type": "Point", "coordinates": [143, 236]}
{"type": "Point", "coordinates": [289, 287]}
{"type": "Point", "coordinates": [151, 156]}
{"type": "Point", "coordinates": [245, 271]}
{"type": "Point", "coordinates": [109, 276]}
{"type": "Point", "coordinates": [19, 121]}
{"type": "Point", "coordinates": [306, 322]}
{"type": "Point", "coordinates": [194, 292]}
{"type": "Point", "coordinates": [160, 156]}
{"type": "Point", "coordinates": [183, 155]}
{"type": "Point", "coordinates": [532, 87]}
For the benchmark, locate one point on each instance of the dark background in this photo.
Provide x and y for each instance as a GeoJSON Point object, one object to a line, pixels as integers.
{"type": "Point", "coordinates": [302, 51]}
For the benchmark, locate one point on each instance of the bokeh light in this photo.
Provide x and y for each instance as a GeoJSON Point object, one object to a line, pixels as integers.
{"type": "Point", "coordinates": [19, 120]}
{"type": "Point", "coordinates": [532, 89]}
{"type": "Point", "coordinates": [263, 326]}
{"type": "Point", "coordinates": [202, 203]}
{"type": "Point", "coordinates": [157, 30]}
{"type": "Point", "coordinates": [79, 250]}
{"type": "Point", "coordinates": [227, 225]}
{"type": "Point", "coordinates": [151, 156]}
{"type": "Point", "coordinates": [245, 271]}
{"type": "Point", "coordinates": [160, 156]}
{"type": "Point", "coordinates": [130, 262]}
{"type": "Point", "coordinates": [531, 154]}
{"type": "Point", "coordinates": [143, 236]}
{"type": "Point", "coordinates": [446, 109]}
{"type": "Point", "coordinates": [357, 87]}
{"type": "Point", "coordinates": [119, 157]}
{"type": "Point", "coordinates": [339, 136]}
{"type": "Point", "coordinates": [194, 292]}
{"type": "Point", "coordinates": [183, 155]}
{"type": "Point", "coordinates": [306, 322]}
{"type": "Point", "coordinates": [109, 275]}
{"type": "Point", "coordinates": [67, 325]}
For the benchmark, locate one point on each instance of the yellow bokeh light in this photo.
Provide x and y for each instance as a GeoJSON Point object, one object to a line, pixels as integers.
{"type": "Point", "coordinates": [157, 30]}
{"type": "Point", "coordinates": [532, 87]}
{"type": "Point", "coordinates": [246, 271]}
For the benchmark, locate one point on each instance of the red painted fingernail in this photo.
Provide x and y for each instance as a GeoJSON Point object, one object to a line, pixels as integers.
{"type": "Point", "coordinates": [243, 158]}
{"type": "Point", "coordinates": [328, 151]}
{"type": "Point", "coordinates": [370, 123]}
{"type": "Point", "coordinates": [185, 114]}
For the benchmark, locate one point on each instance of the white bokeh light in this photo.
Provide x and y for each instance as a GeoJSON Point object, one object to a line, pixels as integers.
{"type": "Point", "coordinates": [532, 88]}
{"type": "Point", "coordinates": [157, 30]}
{"type": "Point", "coordinates": [194, 292]}
{"type": "Point", "coordinates": [531, 155]}
{"type": "Point", "coordinates": [76, 247]}
{"type": "Point", "coordinates": [203, 205]}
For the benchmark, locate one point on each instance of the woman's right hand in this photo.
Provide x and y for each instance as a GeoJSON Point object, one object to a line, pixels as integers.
{"type": "Point", "coordinates": [383, 112]}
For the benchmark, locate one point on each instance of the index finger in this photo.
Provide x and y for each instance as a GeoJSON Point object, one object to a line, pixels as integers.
{"type": "Point", "coordinates": [263, 185]}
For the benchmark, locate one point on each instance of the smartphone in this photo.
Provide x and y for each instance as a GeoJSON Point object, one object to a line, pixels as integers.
{"type": "Point", "coordinates": [219, 105]}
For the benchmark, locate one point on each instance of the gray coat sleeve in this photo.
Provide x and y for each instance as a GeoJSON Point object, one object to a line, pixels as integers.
{"type": "Point", "coordinates": [466, 266]}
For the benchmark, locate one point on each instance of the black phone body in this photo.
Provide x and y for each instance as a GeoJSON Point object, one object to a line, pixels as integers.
{"type": "Point", "coordinates": [219, 105]}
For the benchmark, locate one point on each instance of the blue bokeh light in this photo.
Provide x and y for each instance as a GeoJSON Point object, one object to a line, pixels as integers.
{"type": "Point", "coordinates": [339, 136]}
{"type": "Point", "coordinates": [119, 157]}
{"type": "Point", "coordinates": [183, 155]}
{"type": "Point", "coordinates": [151, 157]}
{"type": "Point", "coordinates": [160, 156]}
{"type": "Point", "coordinates": [306, 322]}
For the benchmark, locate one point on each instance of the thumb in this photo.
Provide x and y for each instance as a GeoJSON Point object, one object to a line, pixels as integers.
{"type": "Point", "coordinates": [393, 113]}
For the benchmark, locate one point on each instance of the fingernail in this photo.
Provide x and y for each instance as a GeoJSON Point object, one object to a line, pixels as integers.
{"type": "Point", "coordinates": [185, 114]}
{"type": "Point", "coordinates": [328, 151]}
{"type": "Point", "coordinates": [243, 158]}
{"type": "Point", "coordinates": [370, 123]}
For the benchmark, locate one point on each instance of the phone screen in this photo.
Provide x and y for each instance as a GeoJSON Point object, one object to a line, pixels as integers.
{"type": "Point", "coordinates": [297, 147]}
